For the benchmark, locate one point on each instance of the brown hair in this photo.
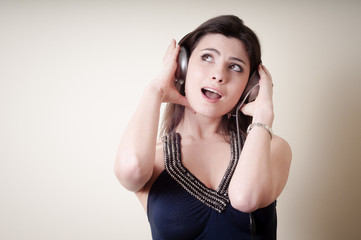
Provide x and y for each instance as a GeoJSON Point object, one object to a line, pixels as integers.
{"type": "Point", "coordinates": [229, 26]}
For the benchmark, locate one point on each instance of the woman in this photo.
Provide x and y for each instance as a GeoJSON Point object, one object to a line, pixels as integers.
{"type": "Point", "coordinates": [195, 183]}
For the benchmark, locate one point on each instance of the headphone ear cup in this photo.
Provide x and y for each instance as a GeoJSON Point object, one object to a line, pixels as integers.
{"type": "Point", "coordinates": [182, 67]}
{"type": "Point", "coordinates": [252, 88]}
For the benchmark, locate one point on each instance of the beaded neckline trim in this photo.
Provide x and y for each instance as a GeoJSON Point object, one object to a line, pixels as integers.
{"type": "Point", "coordinates": [216, 199]}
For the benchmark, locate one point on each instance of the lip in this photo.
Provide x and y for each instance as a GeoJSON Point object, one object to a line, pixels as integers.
{"type": "Point", "coordinates": [214, 90]}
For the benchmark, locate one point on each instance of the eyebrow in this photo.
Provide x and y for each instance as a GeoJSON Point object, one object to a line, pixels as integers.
{"type": "Point", "coordinates": [219, 54]}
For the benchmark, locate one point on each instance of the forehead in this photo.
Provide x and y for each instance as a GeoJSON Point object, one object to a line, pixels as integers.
{"type": "Point", "coordinates": [224, 44]}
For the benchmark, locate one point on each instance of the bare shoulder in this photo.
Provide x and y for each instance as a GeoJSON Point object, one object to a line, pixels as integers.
{"type": "Point", "coordinates": [281, 149]}
{"type": "Point", "coordinates": [159, 157]}
{"type": "Point", "coordinates": [281, 155]}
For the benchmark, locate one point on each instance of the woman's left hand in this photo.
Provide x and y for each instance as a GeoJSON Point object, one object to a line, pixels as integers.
{"type": "Point", "coordinates": [261, 109]}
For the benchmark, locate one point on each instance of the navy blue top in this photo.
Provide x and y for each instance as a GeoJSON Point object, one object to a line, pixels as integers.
{"type": "Point", "coordinates": [175, 211]}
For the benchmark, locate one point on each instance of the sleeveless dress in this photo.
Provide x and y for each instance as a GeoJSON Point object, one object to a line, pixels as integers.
{"type": "Point", "coordinates": [180, 207]}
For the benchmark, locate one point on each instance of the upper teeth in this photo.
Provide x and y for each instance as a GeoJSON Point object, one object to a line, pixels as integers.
{"type": "Point", "coordinates": [211, 90]}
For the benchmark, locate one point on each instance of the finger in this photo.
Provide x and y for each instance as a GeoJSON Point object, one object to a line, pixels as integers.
{"type": "Point", "coordinates": [170, 60]}
{"type": "Point", "coordinates": [170, 50]}
{"type": "Point", "coordinates": [264, 73]}
{"type": "Point", "coordinates": [175, 52]}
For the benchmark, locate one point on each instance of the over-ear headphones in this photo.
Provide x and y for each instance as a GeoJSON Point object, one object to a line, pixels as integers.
{"type": "Point", "coordinates": [250, 92]}
{"type": "Point", "coordinates": [182, 67]}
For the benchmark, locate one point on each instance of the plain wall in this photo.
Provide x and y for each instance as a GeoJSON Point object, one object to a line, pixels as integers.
{"type": "Point", "coordinates": [72, 73]}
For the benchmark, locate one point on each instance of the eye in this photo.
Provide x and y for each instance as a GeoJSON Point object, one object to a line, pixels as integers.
{"type": "Point", "coordinates": [207, 58]}
{"type": "Point", "coordinates": [236, 67]}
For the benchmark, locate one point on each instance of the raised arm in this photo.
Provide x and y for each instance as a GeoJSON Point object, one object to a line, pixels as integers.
{"type": "Point", "coordinates": [136, 153]}
{"type": "Point", "coordinates": [263, 167]}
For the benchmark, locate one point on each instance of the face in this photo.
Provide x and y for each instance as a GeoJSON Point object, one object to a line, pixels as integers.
{"type": "Point", "coordinates": [218, 72]}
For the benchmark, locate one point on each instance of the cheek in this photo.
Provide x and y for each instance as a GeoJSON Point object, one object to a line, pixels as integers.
{"type": "Point", "coordinates": [234, 101]}
{"type": "Point", "coordinates": [193, 79]}
{"type": "Point", "coordinates": [195, 72]}
{"type": "Point", "coordinates": [237, 93]}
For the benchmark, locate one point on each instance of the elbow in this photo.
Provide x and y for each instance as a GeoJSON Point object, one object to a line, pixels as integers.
{"type": "Point", "coordinates": [244, 204]}
{"type": "Point", "coordinates": [131, 174]}
{"type": "Point", "coordinates": [252, 201]}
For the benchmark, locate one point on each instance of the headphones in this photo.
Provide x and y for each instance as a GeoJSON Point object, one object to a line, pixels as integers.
{"type": "Point", "coordinates": [182, 67]}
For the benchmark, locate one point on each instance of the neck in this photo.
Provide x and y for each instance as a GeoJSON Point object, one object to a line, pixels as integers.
{"type": "Point", "coordinates": [199, 126]}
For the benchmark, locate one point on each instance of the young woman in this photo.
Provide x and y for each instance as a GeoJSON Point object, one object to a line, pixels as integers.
{"type": "Point", "coordinates": [195, 182]}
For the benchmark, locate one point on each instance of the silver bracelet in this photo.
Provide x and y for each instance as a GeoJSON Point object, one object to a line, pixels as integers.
{"type": "Point", "coordinates": [262, 125]}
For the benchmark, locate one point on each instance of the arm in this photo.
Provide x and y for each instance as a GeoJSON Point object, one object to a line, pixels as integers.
{"type": "Point", "coordinates": [136, 153]}
{"type": "Point", "coordinates": [263, 167]}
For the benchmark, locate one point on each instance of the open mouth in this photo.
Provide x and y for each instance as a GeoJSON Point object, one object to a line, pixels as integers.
{"type": "Point", "coordinates": [211, 93]}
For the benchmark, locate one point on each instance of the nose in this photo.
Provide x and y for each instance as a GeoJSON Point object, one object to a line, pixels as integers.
{"type": "Point", "coordinates": [220, 80]}
{"type": "Point", "coordinates": [218, 75]}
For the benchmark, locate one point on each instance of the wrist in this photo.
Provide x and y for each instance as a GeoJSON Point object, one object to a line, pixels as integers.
{"type": "Point", "coordinates": [153, 88]}
{"type": "Point", "coordinates": [260, 125]}
{"type": "Point", "coordinates": [265, 116]}
{"type": "Point", "coordinates": [152, 91]}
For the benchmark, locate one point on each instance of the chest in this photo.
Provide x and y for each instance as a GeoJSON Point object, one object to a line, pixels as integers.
{"type": "Point", "coordinates": [175, 213]}
{"type": "Point", "coordinates": [208, 162]}
{"type": "Point", "coordinates": [181, 207]}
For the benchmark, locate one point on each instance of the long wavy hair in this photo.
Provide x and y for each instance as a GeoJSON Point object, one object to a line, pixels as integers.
{"type": "Point", "coordinates": [229, 26]}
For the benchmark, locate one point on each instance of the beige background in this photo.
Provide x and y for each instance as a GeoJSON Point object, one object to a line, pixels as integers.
{"type": "Point", "coordinates": [72, 72]}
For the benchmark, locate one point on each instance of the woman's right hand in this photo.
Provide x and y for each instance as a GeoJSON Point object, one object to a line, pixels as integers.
{"type": "Point", "coordinates": [165, 81]}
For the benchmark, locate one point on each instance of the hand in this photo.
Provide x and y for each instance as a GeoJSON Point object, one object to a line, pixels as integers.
{"type": "Point", "coordinates": [262, 108]}
{"type": "Point", "coordinates": [165, 80]}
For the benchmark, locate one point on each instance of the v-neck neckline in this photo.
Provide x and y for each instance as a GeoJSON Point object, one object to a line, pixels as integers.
{"type": "Point", "coordinates": [214, 198]}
